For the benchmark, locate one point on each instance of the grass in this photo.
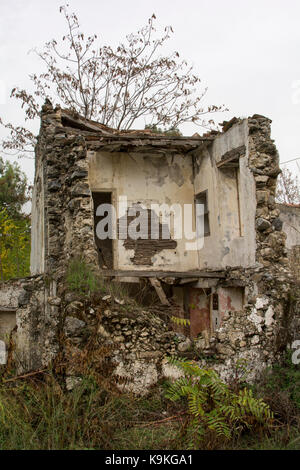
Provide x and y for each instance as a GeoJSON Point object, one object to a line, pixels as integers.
{"type": "Point", "coordinates": [38, 413]}
{"type": "Point", "coordinates": [85, 282]}
{"type": "Point", "coordinates": [278, 440]}
{"type": "Point", "coordinates": [81, 278]}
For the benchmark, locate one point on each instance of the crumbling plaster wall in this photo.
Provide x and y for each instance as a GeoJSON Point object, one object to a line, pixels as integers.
{"type": "Point", "coordinates": [146, 180]}
{"type": "Point", "coordinates": [231, 203]}
{"type": "Point", "coordinates": [37, 254]}
{"type": "Point", "coordinates": [290, 217]}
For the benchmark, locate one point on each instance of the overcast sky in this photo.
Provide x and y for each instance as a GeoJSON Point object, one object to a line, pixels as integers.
{"type": "Point", "coordinates": [246, 52]}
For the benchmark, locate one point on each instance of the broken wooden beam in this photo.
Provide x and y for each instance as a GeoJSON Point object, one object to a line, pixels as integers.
{"type": "Point", "coordinates": [231, 159]}
{"type": "Point", "coordinates": [188, 280]}
{"type": "Point", "coordinates": [164, 274]}
{"type": "Point", "coordinates": [159, 290]}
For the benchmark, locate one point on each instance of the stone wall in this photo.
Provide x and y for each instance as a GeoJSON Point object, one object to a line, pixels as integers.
{"type": "Point", "coordinates": [264, 164]}
{"type": "Point", "coordinates": [260, 331]}
{"type": "Point", "coordinates": [34, 341]}
{"type": "Point", "coordinates": [138, 340]}
{"type": "Point", "coordinates": [68, 210]}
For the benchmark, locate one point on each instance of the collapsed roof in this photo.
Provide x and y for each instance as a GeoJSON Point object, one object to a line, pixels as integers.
{"type": "Point", "coordinates": [104, 138]}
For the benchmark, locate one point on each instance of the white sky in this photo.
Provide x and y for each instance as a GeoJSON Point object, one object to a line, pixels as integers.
{"type": "Point", "coordinates": [246, 52]}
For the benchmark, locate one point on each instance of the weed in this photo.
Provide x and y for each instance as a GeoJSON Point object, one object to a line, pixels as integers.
{"type": "Point", "coordinates": [216, 413]}
{"type": "Point", "coordinates": [81, 278]}
{"type": "Point", "coordinates": [40, 414]}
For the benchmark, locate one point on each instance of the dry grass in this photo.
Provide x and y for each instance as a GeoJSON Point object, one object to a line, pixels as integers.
{"type": "Point", "coordinates": [37, 413]}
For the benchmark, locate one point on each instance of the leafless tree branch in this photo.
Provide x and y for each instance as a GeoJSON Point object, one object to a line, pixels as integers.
{"type": "Point", "coordinates": [113, 86]}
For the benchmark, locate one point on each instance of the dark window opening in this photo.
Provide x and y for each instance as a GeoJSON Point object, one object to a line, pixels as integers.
{"type": "Point", "coordinates": [201, 198]}
{"type": "Point", "coordinates": [104, 247]}
{"type": "Point", "coordinates": [215, 302]}
{"type": "Point", "coordinates": [215, 313]}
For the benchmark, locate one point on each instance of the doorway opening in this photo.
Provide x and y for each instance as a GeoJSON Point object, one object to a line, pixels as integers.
{"type": "Point", "coordinates": [104, 247]}
{"type": "Point", "coordinates": [207, 307]}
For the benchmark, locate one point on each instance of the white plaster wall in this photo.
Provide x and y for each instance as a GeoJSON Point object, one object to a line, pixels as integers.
{"type": "Point", "coordinates": [146, 179]}
{"type": "Point", "coordinates": [230, 243]}
{"type": "Point", "coordinates": [37, 255]}
{"type": "Point", "coordinates": [290, 216]}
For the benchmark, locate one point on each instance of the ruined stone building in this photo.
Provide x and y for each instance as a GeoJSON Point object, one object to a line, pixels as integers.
{"type": "Point", "coordinates": [233, 290]}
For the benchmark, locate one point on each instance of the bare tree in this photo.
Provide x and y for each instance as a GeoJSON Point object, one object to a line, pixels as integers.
{"type": "Point", "coordinates": [288, 188]}
{"type": "Point", "coordinates": [113, 86]}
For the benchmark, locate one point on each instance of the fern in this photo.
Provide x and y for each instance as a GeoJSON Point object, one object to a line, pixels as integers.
{"type": "Point", "coordinates": [180, 321]}
{"type": "Point", "coordinates": [213, 407]}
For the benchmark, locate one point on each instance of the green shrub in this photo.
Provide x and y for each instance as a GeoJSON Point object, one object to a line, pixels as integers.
{"type": "Point", "coordinates": [214, 409]}
{"type": "Point", "coordinates": [286, 377]}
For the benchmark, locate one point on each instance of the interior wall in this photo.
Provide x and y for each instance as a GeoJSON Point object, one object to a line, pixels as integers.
{"type": "Point", "coordinates": [199, 310]}
{"type": "Point", "coordinates": [231, 299]}
{"type": "Point", "coordinates": [206, 312]}
{"type": "Point", "coordinates": [147, 179]}
{"type": "Point", "coordinates": [231, 203]}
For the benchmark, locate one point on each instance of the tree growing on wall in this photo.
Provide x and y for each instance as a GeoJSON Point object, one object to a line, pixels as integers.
{"type": "Point", "coordinates": [114, 86]}
{"type": "Point", "coordinates": [288, 188]}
